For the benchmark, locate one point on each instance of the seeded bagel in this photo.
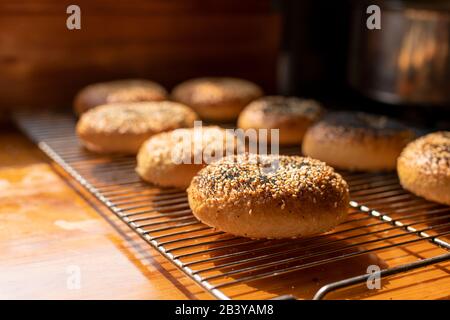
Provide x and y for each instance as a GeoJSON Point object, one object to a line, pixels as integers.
{"type": "Point", "coordinates": [172, 158]}
{"type": "Point", "coordinates": [291, 115]}
{"type": "Point", "coordinates": [269, 196]}
{"type": "Point", "coordinates": [123, 127]}
{"type": "Point", "coordinates": [357, 141]}
{"type": "Point", "coordinates": [424, 167]}
{"type": "Point", "coordinates": [127, 90]}
{"type": "Point", "coordinates": [219, 99]}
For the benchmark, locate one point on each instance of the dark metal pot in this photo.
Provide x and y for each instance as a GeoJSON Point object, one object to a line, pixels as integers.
{"type": "Point", "coordinates": [408, 60]}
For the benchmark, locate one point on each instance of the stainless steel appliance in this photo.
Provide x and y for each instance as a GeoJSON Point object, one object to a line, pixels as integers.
{"type": "Point", "coordinates": [407, 61]}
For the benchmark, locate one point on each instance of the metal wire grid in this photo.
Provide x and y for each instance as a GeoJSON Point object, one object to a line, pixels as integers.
{"type": "Point", "coordinates": [383, 216]}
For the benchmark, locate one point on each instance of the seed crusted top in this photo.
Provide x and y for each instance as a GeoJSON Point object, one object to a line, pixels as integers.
{"type": "Point", "coordinates": [250, 179]}
{"type": "Point", "coordinates": [287, 106]}
{"type": "Point", "coordinates": [431, 152]}
{"type": "Point", "coordinates": [137, 117]}
{"type": "Point", "coordinates": [187, 145]}
{"type": "Point", "coordinates": [129, 90]}
{"type": "Point", "coordinates": [218, 90]}
{"type": "Point", "coordinates": [371, 123]}
{"type": "Point", "coordinates": [360, 126]}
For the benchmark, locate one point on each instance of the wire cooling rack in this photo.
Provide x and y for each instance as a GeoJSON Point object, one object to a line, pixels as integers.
{"type": "Point", "coordinates": [384, 221]}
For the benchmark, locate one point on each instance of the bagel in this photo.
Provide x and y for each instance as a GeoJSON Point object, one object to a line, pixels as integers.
{"type": "Point", "coordinates": [171, 159]}
{"type": "Point", "coordinates": [291, 115]}
{"type": "Point", "coordinates": [123, 127]}
{"type": "Point", "coordinates": [357, 141]}
{"type": "Point", "coordinates": [216, 99]}
{"type": "Point", "coordinates": [128, 90]}
{"type": "Point", "coordinates": [269, 196]}
{"type": "Point", "coordinates": [424, 167]}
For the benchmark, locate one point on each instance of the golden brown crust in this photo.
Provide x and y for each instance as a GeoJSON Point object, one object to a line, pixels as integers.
{"type": "Point", "coordinates": [123, 127]}
{"type": "Point", "coordinates": [291, 115]}
{"type": "Point", "coordinates": [218, 99]}
{"type": "Point", "coordinates": [172, 158]}
{"type": "Point", "coordinates": [128, 90]}
{"type": "Point", "coordinates": [424, 167]}
{"type": "Point", "coordinates": [357, 141]}
{"type": "Point", "coordinates": [268, 196]}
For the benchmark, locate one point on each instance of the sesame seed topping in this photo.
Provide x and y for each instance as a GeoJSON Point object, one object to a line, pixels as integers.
{"type": "Point", "coordinates": [211, 90]}
{"type": "Point", "coordinates": [138, 117]}
{"type": "Point", "coordinates": [359, 124]}
{"type": "Point", "coordinates": [432, 152]}
{"type": "Point", "coordinates": [245, 178]}
{"type": "Point", "coordinates": [286, 106]}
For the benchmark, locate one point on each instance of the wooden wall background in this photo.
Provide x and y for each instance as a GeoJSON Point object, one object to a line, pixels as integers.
{"type": "Point", "coordinates": [43, 64]}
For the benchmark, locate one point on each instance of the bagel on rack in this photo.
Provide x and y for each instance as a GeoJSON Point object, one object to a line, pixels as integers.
{"type": "Point", "coordinates": [123, 127]}
{"type": "Point", "coordinates": [171, 159]}
{"type": "Point", "coordinates": [269, 196]}
{"type": "Point", "coordinates": [215, 98]}
{"type": "Point", "coordinates": [424, 167]}
{"type": "Point", "coordinates": [357, 141]}
{"type": "Point", "coordinates": [291, 115]}
{"type": "Point", "coordinates": [127, 90]}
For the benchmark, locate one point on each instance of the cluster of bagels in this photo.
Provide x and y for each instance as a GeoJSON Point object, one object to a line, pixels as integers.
{"type": "Point", "coordinates": [256, 195]}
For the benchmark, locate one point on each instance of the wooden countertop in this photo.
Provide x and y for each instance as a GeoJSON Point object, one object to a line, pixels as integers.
{"type": "Point", "coordinates": [49, 234]}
